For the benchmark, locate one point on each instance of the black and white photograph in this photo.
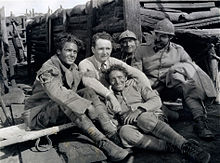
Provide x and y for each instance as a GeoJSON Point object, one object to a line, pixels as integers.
{"type": "Point", "coordinates": [104, 81]}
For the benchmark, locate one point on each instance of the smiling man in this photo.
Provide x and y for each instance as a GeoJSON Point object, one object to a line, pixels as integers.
{"type": "Point", "coordinates": [128, 43]}
{"type": "Point", "coordinates": [142, 124]}
{"type": "Point", "coordinates": [56, 100]}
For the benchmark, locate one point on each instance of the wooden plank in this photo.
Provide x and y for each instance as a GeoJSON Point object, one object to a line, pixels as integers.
{"type": "Point", "coordinates": [58, 28]}
{"type": "Point", "coordinates": [17, 134]}
{"type": "Point", "coordinates": [77, 26]}
{"type": "Point", "coordinates": [78, 19]}
{"type": "Point", "coordinates": [180, 5]}
{"type": "Point", "coordinates": [110, 27]}
{"type": "Point", "coordinates": [132, 20]}
{"type": "Point", "coordinates": [171, 1]}
{"type": "Point", "coordinates": [197, 21]}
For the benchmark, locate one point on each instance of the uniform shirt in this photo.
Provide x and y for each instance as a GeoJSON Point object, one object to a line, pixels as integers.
{"type": "Point", "coordinates": [56, 83]}
{"type": "Point", "coordinates": [156, 63]}
{"type": "Point", "coordinates": [98, 81]}
{"type": "Point", "coordinates": [137, 95]}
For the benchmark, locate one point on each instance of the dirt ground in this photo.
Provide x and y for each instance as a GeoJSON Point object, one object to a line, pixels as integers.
{"type": "Point", "coordinates": [26, 152]}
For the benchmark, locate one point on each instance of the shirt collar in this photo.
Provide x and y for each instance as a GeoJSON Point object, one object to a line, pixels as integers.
{"type": "Point", "coordinates": [98, 64]}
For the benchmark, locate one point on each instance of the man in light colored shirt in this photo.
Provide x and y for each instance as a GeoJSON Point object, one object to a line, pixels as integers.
{"type": "Point", "coordinates": [141, 122]}
{"type": "Point", "coordinates": [98, 63]}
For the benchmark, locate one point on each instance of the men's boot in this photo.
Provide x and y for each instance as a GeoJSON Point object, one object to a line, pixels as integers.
{"type": "Point", "coordinates": [202, 130]}
{"type": "Point", "coordinates": [114, 152]}
{"type": "Point", "coordinates": [194, 151]}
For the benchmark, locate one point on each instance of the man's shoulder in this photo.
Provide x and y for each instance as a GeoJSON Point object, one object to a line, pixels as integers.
{"type": "Point", "coordinates": [85, 61]}
{"type": "Point", "coordinates": [176, 46]}
{"type": "Point", "coordinates": [48, 67]}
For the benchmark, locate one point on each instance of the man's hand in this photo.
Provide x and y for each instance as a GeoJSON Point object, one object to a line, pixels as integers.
{"type": "Point", "coordinates": [116, 107]}
{"type": "Point", "coordinates": [132, 117]}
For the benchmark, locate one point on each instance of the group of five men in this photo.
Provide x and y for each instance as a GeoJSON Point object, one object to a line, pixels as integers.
{"type": "Point", "coordinates": [122, 95]}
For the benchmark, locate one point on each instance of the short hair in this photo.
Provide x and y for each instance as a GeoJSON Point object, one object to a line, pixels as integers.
{"type": "Point", "coordinates": [116, 67]}
{"type": "Point", "coordinates": [62, 38]}
{"type": "Point", "coordinates": [101, 35]}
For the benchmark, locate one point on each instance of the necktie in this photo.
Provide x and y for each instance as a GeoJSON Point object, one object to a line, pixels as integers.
{"type": "Point", "coordinates": [103, 67]}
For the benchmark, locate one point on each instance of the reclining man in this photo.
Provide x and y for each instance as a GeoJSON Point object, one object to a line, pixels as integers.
{"type": "Point", "coordinates": [173, 74]}
{"type": "Point", "coordinates": [55, 98]}
{"type": "Point", "coordinates": [142, 124]}
{"type": "Point", "coordinates": [96, 66]}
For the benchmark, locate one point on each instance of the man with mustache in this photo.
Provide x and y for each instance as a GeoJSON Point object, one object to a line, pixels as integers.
{"type": "Point", "coordinates": [173, 74]}
{"type": "Point", "coordinates": [128, 44]}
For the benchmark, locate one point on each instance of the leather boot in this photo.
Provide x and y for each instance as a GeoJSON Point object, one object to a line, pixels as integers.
{"type": "Point", "coordinates": [114, 152]}
{"type": "Point", "coordinates": [202, 129]}
{"type": "Point", "coordinates": [194, 151]}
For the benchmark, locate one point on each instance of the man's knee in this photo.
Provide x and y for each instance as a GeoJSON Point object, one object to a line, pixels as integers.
{"type": "Point", "coordinates": [147, 121]}
{"type": "Point", "coordinates": [130, 135]}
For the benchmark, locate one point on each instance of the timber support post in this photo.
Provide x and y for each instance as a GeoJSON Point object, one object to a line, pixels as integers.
{"type": "Point", "coordinates": [132, 20]}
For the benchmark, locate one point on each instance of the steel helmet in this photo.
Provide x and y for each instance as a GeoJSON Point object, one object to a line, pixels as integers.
{"type": "Point", "coordinates": [165, 26]}
{"type": "Point", "coordinates": [127, 34]}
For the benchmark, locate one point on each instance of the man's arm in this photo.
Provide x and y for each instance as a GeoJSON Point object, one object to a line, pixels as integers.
{"type": "Point", "coordinates": [92, 80]}
{"type": "Point", "coordinates": [51, 83]}
{"type": "Point", "coordinates": [184, 56]}
{"type": "Point", "coordinates": [86, 67]}
{"type": "Point", "coordinates": [134, 73]}
{"type": "Point", "coordinates": [151, 98]}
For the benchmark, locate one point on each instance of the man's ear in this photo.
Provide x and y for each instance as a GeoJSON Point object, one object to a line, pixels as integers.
{"type": "Point", "coordinates": [58, 51]}
{"type": "Point", "coordinates": [93, 50]}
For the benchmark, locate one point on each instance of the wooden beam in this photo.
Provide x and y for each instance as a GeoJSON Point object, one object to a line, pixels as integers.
{"type": "Point", "coordinates": [132, 20]}
{"type": "Point", "coordinates": [189, 5]}
{"type": "Point", "coordinates": [91, 22]}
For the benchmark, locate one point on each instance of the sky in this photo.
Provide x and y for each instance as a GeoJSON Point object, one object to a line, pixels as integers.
{"type": "Point", "coordinates": [18, 7]}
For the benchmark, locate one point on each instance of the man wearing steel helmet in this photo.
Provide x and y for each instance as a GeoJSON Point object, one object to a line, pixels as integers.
{"type": "Point", "coordinates": [173, 74]}
{"type": "Point", "coordinates": [128, 42]}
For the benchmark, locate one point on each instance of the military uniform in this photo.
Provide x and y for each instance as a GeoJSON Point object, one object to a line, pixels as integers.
{"type": "Point", "coordinates": [149, 123]}
{"type": "Point", "coordinates": [171, 67]}
{"type": "Point", "coordinates": [54, 90]}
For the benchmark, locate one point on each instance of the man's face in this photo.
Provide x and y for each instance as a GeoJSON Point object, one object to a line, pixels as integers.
{"type": "Point", "coordinates": [117, 80]}
{"type": "Point", "coordinates": [102, 50]}
{"type": "Point", "coordinates": [128, 45]}
{"type": "Point", "coordinates": [68, 53]}
{"type": "Point", "coordinates": [161, 40]}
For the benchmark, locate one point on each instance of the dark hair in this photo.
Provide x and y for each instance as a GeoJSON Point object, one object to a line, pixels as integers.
{"type": "Point", "coordinates": [62, 38]}
{"type": "Point", "coordinates": [113, 68]}
{"type": "Point", "coordinates": [101, 35]}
